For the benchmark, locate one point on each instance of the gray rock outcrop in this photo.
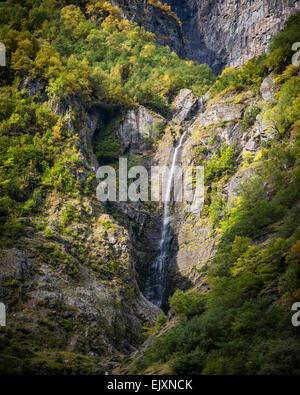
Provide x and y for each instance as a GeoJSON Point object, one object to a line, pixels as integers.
{"type": "Point", "coordinates": [138, 126]}
{"type": "Point", "coordinates": [218, 33]}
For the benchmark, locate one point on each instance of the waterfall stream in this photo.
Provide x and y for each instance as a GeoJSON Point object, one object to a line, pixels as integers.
{"type": "Point", "coordinates": [155, 290]}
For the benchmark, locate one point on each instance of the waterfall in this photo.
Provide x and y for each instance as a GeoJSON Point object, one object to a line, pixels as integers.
{"type": "Point", "coordinates": [156, 285]}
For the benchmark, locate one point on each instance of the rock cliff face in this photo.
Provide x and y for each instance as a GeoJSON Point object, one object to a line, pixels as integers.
{"type": "Point", "coordinates": [208, 123]}
{"type": "Point", "coordinates": [155, 19]}
{"type": "Point", "coordinates": [219, 33]}
{"type": "Point", "coordinates": [227, 33]}
{"type": "Point", "coordinates": [218, 121]}
{"type": "Point", "coordinates": [74, 280]}
{"type": "Point", "coordinates": [70, 283]}
{"type": "Point", "coordinates": [138, 126]}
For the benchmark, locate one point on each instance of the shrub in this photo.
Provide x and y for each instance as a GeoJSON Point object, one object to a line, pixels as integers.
{"type": "Point", "coordinates": [286, 112]}
{"type": "Point", "coordinates": [216, 207]}
{"type": "Point", "coordinates": [48, 234]}
{"type": "Point", "coordinates": [161, 319]}
{"type": "Point", "coordinates": [187, 304]}
{"type": "Point", "coordinates": [250, 117]}
{"type": "Point", "coordinates": [221, 163]}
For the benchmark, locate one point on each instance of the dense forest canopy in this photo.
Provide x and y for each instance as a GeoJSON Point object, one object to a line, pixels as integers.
{"type": "Point", "coordinates": [88, 56]}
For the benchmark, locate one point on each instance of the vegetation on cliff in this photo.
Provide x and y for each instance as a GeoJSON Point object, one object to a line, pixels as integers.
{"type": "Point", "coordinates": [67, 60]}
{"type": "Point", "coordinates": [243, 324]}
{"type": "Point", "coordinates": [70, 63]}
{"type": "Point", "coordinates": [88, 57]}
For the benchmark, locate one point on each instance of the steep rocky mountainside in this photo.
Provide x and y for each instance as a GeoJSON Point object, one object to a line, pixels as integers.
{"type": "Point", "coordinates": [228, 33]}
{"type": "Point", "coordinates": [156, 19]}
{"type": "Point", "coordinates": [70, 283]}
{"type": "Point", "coordinates": [218, 33]}
{"type": "Point", "coordinates": [238, 262]}
{"type": "Point", "coordinates": [84, 87]}
{"type": "Point", "coordinates": [199, 258]}
{"type": "Point", "coordinates": [68, 263]}
{"type": "Point", "coordinates": [211, 125]}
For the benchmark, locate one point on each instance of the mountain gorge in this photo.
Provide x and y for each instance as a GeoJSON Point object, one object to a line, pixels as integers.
{"type": "Point", "coordinates": [89, 82]}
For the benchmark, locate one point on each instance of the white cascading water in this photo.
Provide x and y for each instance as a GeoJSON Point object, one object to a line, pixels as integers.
{"type": "Point", "coordinates": [156, 285]}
